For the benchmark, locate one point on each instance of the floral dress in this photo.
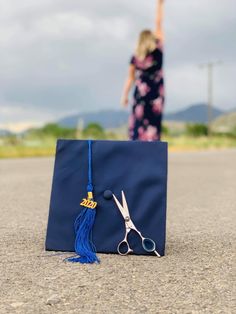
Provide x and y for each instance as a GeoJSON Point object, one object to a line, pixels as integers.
{"type": "Point", "coordinates": [146, 117]}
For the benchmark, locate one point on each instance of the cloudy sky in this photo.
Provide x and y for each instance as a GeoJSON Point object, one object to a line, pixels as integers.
{"type": "Point", "coordinates": [59, 57]}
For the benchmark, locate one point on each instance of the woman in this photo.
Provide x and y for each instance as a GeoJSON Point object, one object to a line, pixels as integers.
{"type": "Point", "coordinates": [146, 73]}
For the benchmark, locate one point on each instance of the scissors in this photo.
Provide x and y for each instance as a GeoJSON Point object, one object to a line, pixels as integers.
{"type": "Point", "coordinates": [123, 247]}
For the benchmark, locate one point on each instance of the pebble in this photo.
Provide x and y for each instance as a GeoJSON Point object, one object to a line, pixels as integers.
{"type": "Point", "coordinates": [52, 300]}
{"type": "Point", "coordinates": [17, 304]}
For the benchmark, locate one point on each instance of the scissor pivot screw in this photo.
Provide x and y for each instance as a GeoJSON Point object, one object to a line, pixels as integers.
{"type": "Point", "coordinates": [127, 218]}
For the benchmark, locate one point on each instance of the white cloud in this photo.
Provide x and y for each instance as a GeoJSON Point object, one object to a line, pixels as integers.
{"type": "Point", "coordinates": [63, 26]}
{"type": "Point", "coordinates": [18, 117]}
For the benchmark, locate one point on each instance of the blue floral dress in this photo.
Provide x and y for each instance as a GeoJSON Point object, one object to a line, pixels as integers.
{"type": "Point", "coordinates": [148, 103]}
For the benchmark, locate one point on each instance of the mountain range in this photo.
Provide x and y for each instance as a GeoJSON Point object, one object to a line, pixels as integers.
{"type": "Point", "coordinates": [109, 119]}
{"type": "Point", "coordinates": [196, 113]}
{"type": "Point", "coordinates": [4, 132]}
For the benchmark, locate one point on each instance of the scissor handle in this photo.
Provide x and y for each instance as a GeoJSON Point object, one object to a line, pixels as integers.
{"type": "Point", "coordinates": [123, 248]}
{"type": "Point", "coordinates": [149, 246]}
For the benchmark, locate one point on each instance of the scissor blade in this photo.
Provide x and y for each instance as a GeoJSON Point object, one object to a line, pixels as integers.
{"type": "Point", "coordinates": [120, 207]}
{"type": "Point", "coordinates": [125, 205]}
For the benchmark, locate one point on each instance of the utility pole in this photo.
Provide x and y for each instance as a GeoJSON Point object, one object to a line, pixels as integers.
{"type": "Point", "coordinates": [210, 66]}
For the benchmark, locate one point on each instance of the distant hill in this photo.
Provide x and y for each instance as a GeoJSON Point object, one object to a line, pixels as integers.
{"type": "Point", "coordinates": [5, 132]}
{"type": "Point", "coordinates": [116, 118]}
{"type": "Point", "coordinates": [232, 110]}
{"type": "Point", "coordinates": [225, 123]}
{"type": "Point", "coordinates": [106, 118]}
{"type": "Point", "coordinates": [196, 113]}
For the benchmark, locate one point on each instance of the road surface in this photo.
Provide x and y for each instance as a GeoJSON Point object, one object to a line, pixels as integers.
{"type": "Point", "coordinates": [196, 276]}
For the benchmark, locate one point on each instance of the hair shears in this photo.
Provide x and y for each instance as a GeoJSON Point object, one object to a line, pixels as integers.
{"type": "Point", "coordinates": [123, 247]}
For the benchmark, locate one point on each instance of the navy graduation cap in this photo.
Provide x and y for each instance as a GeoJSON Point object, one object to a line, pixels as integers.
{"type": "Point", "coordinates": [108, 197]}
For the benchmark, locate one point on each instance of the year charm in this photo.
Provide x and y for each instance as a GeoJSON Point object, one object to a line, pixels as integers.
{"type": "Point", "coordinates": [88, 203]}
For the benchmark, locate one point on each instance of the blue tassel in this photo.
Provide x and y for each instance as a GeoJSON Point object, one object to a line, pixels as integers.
{"type": "Point", "coordinates": [83, 225]}
{"type": "Point", "coordinates": [84, 246]}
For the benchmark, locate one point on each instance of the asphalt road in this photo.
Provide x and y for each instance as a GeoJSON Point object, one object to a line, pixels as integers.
{"type": "Point", "coordinates": [196, 276]}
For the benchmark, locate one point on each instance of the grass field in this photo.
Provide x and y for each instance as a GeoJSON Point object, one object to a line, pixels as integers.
{"type": "Point", "coordinates": [188, 143]}
{"type": "Point", "coordinates": [46, 146]}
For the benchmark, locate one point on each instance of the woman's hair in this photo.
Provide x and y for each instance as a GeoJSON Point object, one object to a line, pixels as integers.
{"type": "Point", "coordinates": [146, 44]}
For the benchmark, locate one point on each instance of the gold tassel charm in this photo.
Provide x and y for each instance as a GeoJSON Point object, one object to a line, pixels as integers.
{"type": "Point", "coordinates": [89, 201]}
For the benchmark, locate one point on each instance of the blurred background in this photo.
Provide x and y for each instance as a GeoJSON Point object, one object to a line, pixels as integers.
{"type": "Point", "coordinates": [63, 64]}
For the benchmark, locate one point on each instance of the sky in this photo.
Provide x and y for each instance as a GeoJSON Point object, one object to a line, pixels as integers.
{"type": "Point", "coordinates": [60, 57]}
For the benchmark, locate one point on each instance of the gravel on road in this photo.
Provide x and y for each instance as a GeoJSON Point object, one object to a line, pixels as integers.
{"type": "Point", "coordinates": [195, 276]}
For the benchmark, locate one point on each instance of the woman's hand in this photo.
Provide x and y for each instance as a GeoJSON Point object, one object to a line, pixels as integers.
{"type": "Point", "coordinates": [125, 101]}
{"type": "Point", "coordinates": [128, 84]}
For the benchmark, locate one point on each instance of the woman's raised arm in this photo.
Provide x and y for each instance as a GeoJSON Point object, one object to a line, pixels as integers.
{"type": "Point", "coordinates": [159, 20]}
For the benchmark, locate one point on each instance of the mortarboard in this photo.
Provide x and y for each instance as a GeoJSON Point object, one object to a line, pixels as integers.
{"type": "Point", "coordinates": [101, 169]}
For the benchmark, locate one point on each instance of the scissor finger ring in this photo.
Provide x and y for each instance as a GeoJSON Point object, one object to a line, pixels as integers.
{"type": "Point", "coordinates": [123, 248]}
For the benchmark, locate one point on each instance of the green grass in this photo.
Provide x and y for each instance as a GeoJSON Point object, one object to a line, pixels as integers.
{"type": "Point", "coordinates": [38, 147]}
{"type": "Point", "coordinates": [186, 143]}
{"type": "Point", "coordinates": [24, 151]}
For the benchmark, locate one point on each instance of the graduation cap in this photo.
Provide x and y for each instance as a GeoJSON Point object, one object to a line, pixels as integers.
{"type": "Point", "coordinates": [83, 216]}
